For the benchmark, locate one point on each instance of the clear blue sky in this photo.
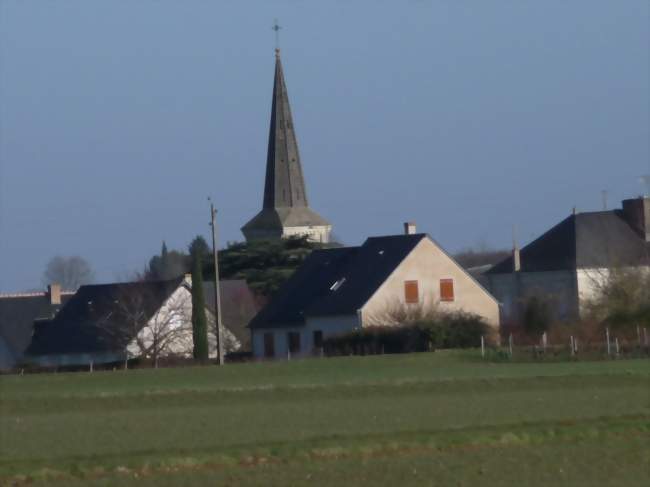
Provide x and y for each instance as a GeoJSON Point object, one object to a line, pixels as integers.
{"type": "Point", "coordinates": [118, 118]}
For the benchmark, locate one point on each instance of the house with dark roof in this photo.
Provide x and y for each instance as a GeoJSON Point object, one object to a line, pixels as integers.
{"type": "Point", "coordinates": [567, 265]}
{"type": "Point", "coordinates": [18, 313]}
{"type": "Point", "coordinates": [338, 290]}
{"type": "Point", "coordinates": [108, 323]}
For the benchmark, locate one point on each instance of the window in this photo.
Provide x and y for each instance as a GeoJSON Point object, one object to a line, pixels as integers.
{"type": "Point", "coordinates": [269, 345]}
{"type": "Point", "coordinates": [293, 340]}
{"type": "Point", "coordinates": [447, 290]}
{"type": "Point", "coordinates": [411, 293]}
{"type": "Point", "coordinates": [318, 339]}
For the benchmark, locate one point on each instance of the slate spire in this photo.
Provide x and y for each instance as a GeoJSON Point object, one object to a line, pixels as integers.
{"type": "Point", "coordinates": [285, 185]}
{"type": "Point", "coordinates": [285, 209]}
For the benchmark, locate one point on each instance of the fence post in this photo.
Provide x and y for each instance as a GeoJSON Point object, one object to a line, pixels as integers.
{"type": "Point", "coordinates": [617, 349]}
{"type": "Point", "coordinates": [575, 345]}
{"type": "Point", "coordinates": [645, 336]}
{"type": "Point", "coordinates": [510, 344]}
{"type": "Point", "coordinates": [544, 342]}
{"type": "Point", "coordinates": [482, 346]}
{"type": "Point", "coordinates": [638, 334]}
{"type": "Point", "coordinates": [91, 367]}
{"type": "Point", "coordinates": [288, 354]}
{"type": "Point", "coordinates": [608, 344]}
{"type": "Point", "coordinates": [571, 345]}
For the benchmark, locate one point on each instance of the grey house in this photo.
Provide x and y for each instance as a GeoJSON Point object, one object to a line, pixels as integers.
{"type": "Point", "coordinates": [566, 265]}
{"type": "Point", "coordinates": [18, 313]}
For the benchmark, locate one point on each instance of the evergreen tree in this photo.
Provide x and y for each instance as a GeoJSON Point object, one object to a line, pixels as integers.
{"type": "Point", "coordinates": [199, 246]}
{"type": "Point", "coordinates": [199, 321]}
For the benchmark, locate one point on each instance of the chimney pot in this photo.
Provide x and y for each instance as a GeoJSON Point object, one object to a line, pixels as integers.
{"type": "Point", "coordinates": [410, 228]}
{"type": "Point", "coordinates": [54, 292]}
{"type": "Point", "coordinates": [516, 259]}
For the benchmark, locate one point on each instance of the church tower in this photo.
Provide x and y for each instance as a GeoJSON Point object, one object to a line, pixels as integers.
{"type": "Point", "coordinates": [285, 210]}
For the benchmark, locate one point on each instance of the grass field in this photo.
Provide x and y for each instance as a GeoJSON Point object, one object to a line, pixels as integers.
{"type": "Point", "coordinates": [440, 418]}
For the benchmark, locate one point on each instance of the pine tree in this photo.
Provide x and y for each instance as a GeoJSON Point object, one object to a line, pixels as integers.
{"type": "Point", "coordinates": [199, 321]}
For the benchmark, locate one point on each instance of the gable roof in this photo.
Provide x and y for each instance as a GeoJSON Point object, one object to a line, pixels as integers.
{"type": "Point", "coordinates": [78, 327]}
{"type": "Point", "coordinates": [600, 239]}
{"type": "Point", "coordinates": [17, 315]}
{"type": "Point", "coordinates": [336, 281]}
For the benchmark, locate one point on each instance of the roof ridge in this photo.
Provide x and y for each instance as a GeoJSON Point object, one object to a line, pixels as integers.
{"type": "Point", "coordinates": [33, 294]}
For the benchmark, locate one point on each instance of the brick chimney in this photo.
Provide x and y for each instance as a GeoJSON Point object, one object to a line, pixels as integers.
{"type": "Point", "coordinates": [637, 214]}
{"type": "Point", "coordinates": [410, 228]}
{"type": "Point", "coordinates": [54, 293]}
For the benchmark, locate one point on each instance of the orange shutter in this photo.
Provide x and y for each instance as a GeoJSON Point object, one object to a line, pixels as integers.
{"type": "Point", "coordinates": [411, 293]}
{"type": "Point", "coordinates": [447, 290]}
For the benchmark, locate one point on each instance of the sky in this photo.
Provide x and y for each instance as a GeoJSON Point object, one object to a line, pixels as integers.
{"type": "Point", "coordinates": [118, 119]}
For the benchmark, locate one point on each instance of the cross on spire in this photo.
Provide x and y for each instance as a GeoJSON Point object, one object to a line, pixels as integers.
{"type": "Point", "coordinates": [276, 27]}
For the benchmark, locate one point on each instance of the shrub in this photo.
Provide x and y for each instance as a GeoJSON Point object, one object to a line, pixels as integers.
{"type": "Point", "coordinates": [455, 330]}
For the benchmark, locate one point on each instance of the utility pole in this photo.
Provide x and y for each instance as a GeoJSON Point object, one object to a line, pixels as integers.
{"type": "Point", "coordinates": [217, 292]}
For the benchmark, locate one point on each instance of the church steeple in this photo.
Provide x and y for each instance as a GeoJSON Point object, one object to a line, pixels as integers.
{"type": "Point", "coordinates": [285, 210]}
{"type": "Point", "coordinates": [285, 185]}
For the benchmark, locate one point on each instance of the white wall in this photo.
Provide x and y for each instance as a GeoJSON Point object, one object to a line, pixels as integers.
{"type": "Point", "coordinates": [329, 325]}
{"type": "Point", "coordinates": [175, 318]}
{"type": "Point", "coordinates": [315, 233]}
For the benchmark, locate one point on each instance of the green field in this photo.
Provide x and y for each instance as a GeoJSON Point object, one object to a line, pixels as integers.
{"type": "Point", "coordinates": [442, 418]}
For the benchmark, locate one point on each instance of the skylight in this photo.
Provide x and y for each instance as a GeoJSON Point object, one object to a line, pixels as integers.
{"type": "Point", "coordinates": [337, 284]}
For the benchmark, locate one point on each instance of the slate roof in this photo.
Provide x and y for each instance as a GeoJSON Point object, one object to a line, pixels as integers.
{"type": "Point", "coordinates": [83, 324]}
{"type": "Point", "coordinates": [600, 239]}
{"type": "Point", "coordinates": [311, 291]}
{"type": "Point", "coordinates": [17, 315]}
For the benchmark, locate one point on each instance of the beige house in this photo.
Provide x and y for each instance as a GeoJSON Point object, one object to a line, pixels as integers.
{"type": "Point", "coordinates": [339, 290]}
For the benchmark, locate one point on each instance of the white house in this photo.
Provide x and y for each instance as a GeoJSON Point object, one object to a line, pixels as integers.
{"type": "Point", "coordinates": [107, 323]}
{"type": "Point", "coordinates": [339, 290]}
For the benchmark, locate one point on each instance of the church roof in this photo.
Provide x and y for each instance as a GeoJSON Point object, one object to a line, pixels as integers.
{"type": "Point", "coordinates": [601, 239]}
{"type": "Point", "coordinates": [285, 185]}
{"type": "Point", "coordinates": [336, 281]}
{"type": "Point", "coordinates": [285, 196]}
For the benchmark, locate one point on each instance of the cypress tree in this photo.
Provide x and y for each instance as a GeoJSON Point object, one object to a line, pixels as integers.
{"type": "Point", "coordinates": [199, 321]}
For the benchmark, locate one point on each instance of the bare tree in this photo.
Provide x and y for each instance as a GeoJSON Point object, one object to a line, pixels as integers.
{"type": "Point", "coordinates": [70, 272]}
{"type": "Point", "coordinates": [620, 296]}
{"type": "Point", "coordinates": [150, 327]}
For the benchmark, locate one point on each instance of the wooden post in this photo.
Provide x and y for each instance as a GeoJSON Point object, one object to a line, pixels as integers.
{"type": "Point", "coordinates": [544, 342]}
{"type": "Point", "coordinates": [91, 367]}
{"type": "Point", "coordinates": [217, 291]}
{"type": "Point", "coordinates": [575, 345]}
{"type": "Point", "coordinates": [571, 345]}
{"type": "Point", "coordinates": [609, 349]}
{"type": "Point", "coordinates": [645, 336]}
{"type": "Point", "coordinates": [510, 344]}
{"type": "Point", "coordinates": [638, 334]}
{"type": "Point", "coordinates": [617, 349]}
{"type": "Point", "coordinates": [482, 346]}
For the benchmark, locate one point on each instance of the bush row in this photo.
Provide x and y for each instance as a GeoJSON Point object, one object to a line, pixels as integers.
{"type": "Point", "coordinates": [457, 330]}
